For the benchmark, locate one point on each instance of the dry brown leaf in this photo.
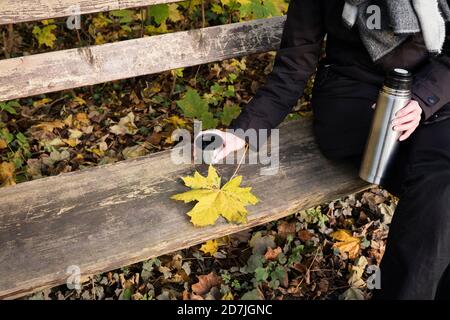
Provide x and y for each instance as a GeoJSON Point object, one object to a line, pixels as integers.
{"type": "Point", "coordinates": [272, 254]}
{"type": "Point", "coordinates": [186, 295]}
{"type": "Point", "coordinates": [285, 229]}
{"type": "Point", "coordinates": [305, 235]}
{"type": "Point", "coordinates": [205, 283]}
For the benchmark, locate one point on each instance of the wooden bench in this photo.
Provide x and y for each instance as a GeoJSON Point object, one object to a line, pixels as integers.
{"type": "Point", "coordinates": [114, 215]}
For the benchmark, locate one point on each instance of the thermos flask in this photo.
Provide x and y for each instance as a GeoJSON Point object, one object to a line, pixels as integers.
{"type": "Point", "coordinates": [382, 144]}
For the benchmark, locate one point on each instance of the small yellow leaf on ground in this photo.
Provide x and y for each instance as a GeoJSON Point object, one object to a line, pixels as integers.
{"type": "Point", "coordinates": [346, 243]}
{"type": "Point", "coordinates": [176, 121]}
{"type": "Point", "coordinates": [210, 247]}
{"type": "Point", "coordinates": [3, 144]}
{"type": "Point", "coordinates": [228, 296]}
{"type": "Point", "coordinates": [73, 142]}
{"type": "Point", "coordinates": [41, 102]}
{"type": "Point", "coordinates": [82, 117]}
{"type": "Point", "coordinates": [49, 126]}
{"type": "Point", "coordinates": [7, 170]}
{"type": "Point", "coordinates": [79, 100]}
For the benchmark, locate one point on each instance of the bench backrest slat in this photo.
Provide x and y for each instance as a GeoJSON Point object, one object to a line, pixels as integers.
{"type": "Point", "coordinates": [14, 11]}
{"type": "Point", "coordinates": [66, 69]}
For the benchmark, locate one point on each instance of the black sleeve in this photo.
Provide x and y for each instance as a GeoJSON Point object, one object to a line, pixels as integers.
{"type": "Point", "coordinates": [295, 61]}
{"type": "Point", "coordinates": [431, 88]}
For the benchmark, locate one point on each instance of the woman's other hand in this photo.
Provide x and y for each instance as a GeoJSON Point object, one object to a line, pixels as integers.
{"type": "Point", "coordinates": [408, 119]}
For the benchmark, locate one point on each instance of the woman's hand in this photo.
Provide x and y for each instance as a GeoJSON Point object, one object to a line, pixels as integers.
{"type": "Point", "coordinates": [231, 143]}
{"type": "Point", "coordinates": [407, 119]}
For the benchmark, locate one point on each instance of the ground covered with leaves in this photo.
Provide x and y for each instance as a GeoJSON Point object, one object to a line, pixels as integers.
{"type": "Point", "coordinates": [321, 253]}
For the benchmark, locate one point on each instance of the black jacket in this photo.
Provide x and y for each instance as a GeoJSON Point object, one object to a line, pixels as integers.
{"type": "Point", "coordinates": [308, 21]}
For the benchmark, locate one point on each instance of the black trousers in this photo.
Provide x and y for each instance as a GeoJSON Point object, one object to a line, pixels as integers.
{"type": "Point", "coordinates": [416, 264]}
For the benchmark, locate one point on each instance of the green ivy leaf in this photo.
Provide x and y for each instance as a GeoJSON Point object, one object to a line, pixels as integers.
{"type": "Point", "coordinates": [261, 274]}
{"type": "Point", "coordinates": [229, 113]}
{"type": "Point", "coordinates": [125, 16]}
{"type": "Point", "coordinates": [192, 104]}
{"type": "Point", "coordinates": [9, 106]}
{"type": "Point", "coordinates": [208, 121]}
{"type": "Point", "coordinates": [159, 12]}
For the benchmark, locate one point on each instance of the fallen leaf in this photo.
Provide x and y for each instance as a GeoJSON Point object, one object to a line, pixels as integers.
{"type": "Point", "coordinates": [186, 295]}
{"type": "Point", "coordinates": [176, 121]}
{"type": "Point", "coordinates": [213, 201]}
{"type": "Point", "coordinates": [228, 296]}
{"type": "Point", "coordinates": [71, 142]}
{"type": "Point", "coordinates": [305, 235]}
{"type": "Point", "coordinates": [42, 102]}
{"type": "Point", "coordinates": [125, 126]}
{"type": "Point", "coordinates": [285, 229]}
{"type": "Point", "coordinates": [260, 243]}
{"type": "Point", "coordinates": [347, 243]}
{"type": "Point", "coordinates": [253, 295]}
{"type": "Point", "coordinates": [210, 247]}
{"type": "Point", "coordinates": [49, 126]}
{"type": "Point", "coordinates": [134, 151]}
{"type": "Point", "coordinates": [79, 101]}
{"type": "Point", "coordinates": [352, 294]}
{"type": "Point", "coordinates": [357, 272]}
{"type": "Point", "coordinates": [323, 286]}
{"type": "Point", "coordinates": [82, 118]}
{"type": "Point", "coordinates": [272, 254]}
{"type": "Point", "coordinates": [3, 144]}
{"type": "Point", "coordinates": [7, 171]}
{"type": "Point", "coordinates": [205, 283]}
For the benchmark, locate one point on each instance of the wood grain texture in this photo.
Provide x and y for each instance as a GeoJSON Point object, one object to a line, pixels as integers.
{"type": "Point", "coordinates": [14, 11]}
{"type": "Point", "coordinates": [66, 69]}
{"type": "Point", "coordinates": [115, 215]}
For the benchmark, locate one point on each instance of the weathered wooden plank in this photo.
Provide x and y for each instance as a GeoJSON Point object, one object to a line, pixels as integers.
{"type": "Point", "coordinates": [110, 216]}
{"type": "Point", "coordinates": [66, 69]}
{"type": "Point", "coordinates": [14, 11]}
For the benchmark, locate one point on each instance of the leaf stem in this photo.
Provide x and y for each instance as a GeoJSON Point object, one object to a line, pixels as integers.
{"type": "Point", "coordinates": [240, 162]}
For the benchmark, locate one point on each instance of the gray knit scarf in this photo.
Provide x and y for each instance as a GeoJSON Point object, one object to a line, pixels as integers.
{"type": "Point", "coordinates": [397, 19]}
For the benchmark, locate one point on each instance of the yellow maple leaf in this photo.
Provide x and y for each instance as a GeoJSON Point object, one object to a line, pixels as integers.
{"type": "Point", "coordinates": [347, 243]}
{"type": "Point", "coordinates": [213, 201]}
{"type": "Point", "coordinates": [210, 247]}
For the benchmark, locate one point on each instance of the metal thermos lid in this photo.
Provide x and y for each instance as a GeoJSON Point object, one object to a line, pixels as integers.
{"type": "Point", "coordinates": [399, 79]}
